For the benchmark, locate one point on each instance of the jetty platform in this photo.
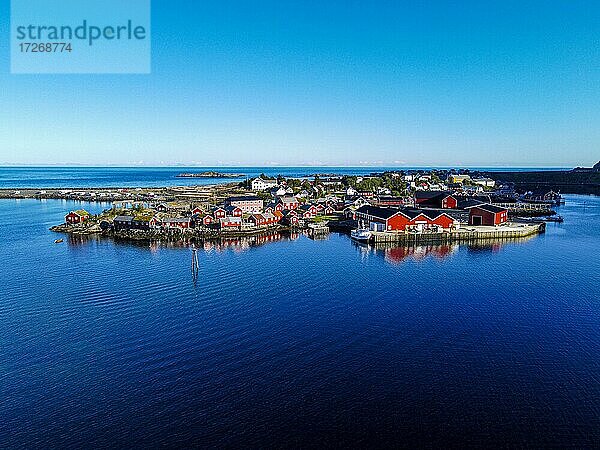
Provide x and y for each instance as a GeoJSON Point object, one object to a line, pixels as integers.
{"type": "Point", "coordinates": [466, 234]}
{"type": "Point", "coordinates": [528, 208]}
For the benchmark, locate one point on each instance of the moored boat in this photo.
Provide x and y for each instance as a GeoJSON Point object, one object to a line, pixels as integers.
{"type": "Point", "coordinates": [361, 234]}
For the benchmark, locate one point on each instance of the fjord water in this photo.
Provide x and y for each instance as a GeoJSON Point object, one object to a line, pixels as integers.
{"type": "Point", "coordinates": [297, 341]}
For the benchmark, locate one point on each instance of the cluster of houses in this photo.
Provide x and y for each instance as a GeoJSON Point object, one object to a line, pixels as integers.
{"type": "Point", "coordinates": [447, 180]}
{"type": "Point", "coordinates": [424, 210]}
{"type": "Point", "coordinates": [275, 203]}
{"type": "Point", "coordinates": [236, 213]}
{"type": "Point", "coordinates": [433, 210]}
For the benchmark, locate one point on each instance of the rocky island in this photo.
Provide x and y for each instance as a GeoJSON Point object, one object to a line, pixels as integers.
{"type": "Point", "coordinates": [210, 174]}
{"type": "Point", "coordinates": [394, 207]}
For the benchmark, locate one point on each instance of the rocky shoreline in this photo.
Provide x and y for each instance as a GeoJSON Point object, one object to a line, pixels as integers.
{"type": "Point", "coordinates": [120, 194]}
{"type": "Point", "coordinates": [198, 234]}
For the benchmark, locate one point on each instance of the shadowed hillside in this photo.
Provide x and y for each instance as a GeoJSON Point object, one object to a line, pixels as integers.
{"type": "Point", "coordinates": [565, 181]}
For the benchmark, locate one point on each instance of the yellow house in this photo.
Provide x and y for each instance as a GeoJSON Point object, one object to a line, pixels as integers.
{"type": "Point", "coordinates": [454, 178]}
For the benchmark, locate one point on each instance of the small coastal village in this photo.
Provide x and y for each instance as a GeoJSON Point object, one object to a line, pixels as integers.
{"type": "Point", "coordinates": [412, 206]}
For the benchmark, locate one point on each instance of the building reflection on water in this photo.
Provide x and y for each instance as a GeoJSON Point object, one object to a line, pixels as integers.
{"type": "Point", "coordinates": [399, 254]}
{"type": "Point", "coordinates": [241, 244]}
{"type": "Point", "coordinates": [392, 253]}
{"type": "Point", "coordinates": [396, 254]}
{"type": "Point", "coordinates": [237, 244]}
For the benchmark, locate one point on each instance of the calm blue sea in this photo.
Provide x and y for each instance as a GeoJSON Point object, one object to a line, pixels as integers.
{"type": "Point", "coordinates": [59, 177]}
{"type": "Point", "coordinates": [292, 342]}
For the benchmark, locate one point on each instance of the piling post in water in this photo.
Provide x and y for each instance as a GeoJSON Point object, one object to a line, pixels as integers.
{"type": "Point", "coordinates": [195, 264]}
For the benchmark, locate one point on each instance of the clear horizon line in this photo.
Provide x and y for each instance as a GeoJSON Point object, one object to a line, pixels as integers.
{"type": "Point", "coordinates": [176, 166]}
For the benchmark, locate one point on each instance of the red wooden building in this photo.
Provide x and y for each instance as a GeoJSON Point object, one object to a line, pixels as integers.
{"type": "Point", "coordinates": [203, 219]}
{"type": "Point", "coordinates": [309, 211]}
{"type": "Point", "coordinates": [176, 222]}
{"type": "Point", "coordinates": [234, 211]}
{"type": "Point", "coordinates": [391, 219]}
{"type": "Point", "coordinates": [287, 203]}
{"type": "Point", "coordinates": [219, 213]}
{"type": "Point", "coordinates": [386, 200]}
{"type": "Point", "coordinates": [436, 199]}
{"type": "Point", "coordinates": [486, 214]}
{"type": "Point", "coordinates": [77, 216]}
{"type": "Point", "coordinates": [257, 219]}
{"type": "Point", "coordinates": [228, 223]}
{"type": "Point", "coordinates": [270, 218]}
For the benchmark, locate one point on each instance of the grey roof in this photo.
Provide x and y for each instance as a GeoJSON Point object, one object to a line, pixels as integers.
{"type": "Point", "coordinates": [432, 194]}
{"type": "Point", "coordinates": [243, 198]}
{"type": "Point", "coordinates": [485, 198]}
{"type": "Point", "coordinates": [376, 211]}
{"type": "Point", "coordinates": [176, 220]}
{"type": "Point", "coordinates": [468, 202]}
{"type": "Point", "coordinates": [489, 208]}
{"type": "Point", "coordinates": [411, 213]}
{"type": "Point", "coordinates": [230, 219]}
{"type": "Point", "coordinates": [427, 212]}
{"type": "Point", "coordinates": [457, 214]}
{"type": "Point", "coordinates": [123, 219]}
{"type": "Point", "coordinates": [389, 198]}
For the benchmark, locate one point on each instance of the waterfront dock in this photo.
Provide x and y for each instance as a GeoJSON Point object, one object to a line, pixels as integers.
{"type": "Point", "coordinates": [318, 231]}
{"type": "Point", "coordinates": [467, 234]}
{"type": "Point", "coordinates": [527, 208]}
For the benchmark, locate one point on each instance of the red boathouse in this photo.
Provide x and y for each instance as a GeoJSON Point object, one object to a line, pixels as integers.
{"type": "Point", "coordinates": [486, 214]}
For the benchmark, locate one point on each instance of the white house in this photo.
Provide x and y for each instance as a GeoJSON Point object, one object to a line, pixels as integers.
{"type": "Point", "coordinates": [258, 184]}
{"type": "Point", "coordinates": [485, 182]}
{"type": "Point", "coordinates": [360, 201]}
{"type": "Point", "coordinates": [278, 191]}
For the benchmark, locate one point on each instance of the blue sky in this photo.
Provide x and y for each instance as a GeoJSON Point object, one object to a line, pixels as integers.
{"type": "Point", "coordinates": [441, 83]}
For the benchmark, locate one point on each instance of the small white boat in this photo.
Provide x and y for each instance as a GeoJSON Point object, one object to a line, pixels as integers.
{"type": "Point", "coordinates": [361, 234]}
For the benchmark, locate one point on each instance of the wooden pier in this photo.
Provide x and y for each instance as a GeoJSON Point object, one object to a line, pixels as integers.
{"type": "Point", "coordinates": [467, 234]}
{"type": "Point", "coordinates": [526, 207]}
{"type": "Point", "coordinates": [320, 231]}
